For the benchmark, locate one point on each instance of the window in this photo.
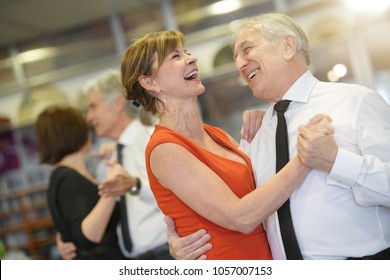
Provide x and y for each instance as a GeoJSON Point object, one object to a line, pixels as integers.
{"type": "Point", "coordinates": [378, 45]}
{"type": "Point", "coordinates": [143, 20]}
{"type": "Point", "coordinates": [6, 75]}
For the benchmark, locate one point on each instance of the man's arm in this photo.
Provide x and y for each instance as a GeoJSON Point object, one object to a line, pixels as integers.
{"type": "Point", "coordinates": [190, 247]}
{"type": "Point", "coordinates": [67, 250]}
{"type": "Point", "coordinates": [367, 169]}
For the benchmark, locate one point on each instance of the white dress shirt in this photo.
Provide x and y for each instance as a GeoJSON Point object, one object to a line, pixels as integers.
{"type": "Point", "coordinates": [147, 227]}
{"type": "Point", "coordinates": [345, 213]}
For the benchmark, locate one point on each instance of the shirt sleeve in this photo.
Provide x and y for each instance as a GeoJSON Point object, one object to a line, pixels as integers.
{"type": "Point", "coordinates": [146, 193]}
{"type": "Point", "coordinates": [367, 173]}
{"type": "Point", "coordinates": [135, 165]}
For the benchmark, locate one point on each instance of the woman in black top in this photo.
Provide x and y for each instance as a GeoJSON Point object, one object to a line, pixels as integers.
{"type": "Point", "coordinates": [79, 213]}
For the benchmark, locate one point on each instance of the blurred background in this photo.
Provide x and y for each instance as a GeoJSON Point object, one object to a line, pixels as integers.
{"type": "Point", "coordinates": [49, 48]}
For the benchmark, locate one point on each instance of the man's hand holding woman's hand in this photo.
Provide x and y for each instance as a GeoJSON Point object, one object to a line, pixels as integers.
{"type": "Point", "coordinates": [316, 145]}
{"type": "Point", "coordinates": [118, 181]}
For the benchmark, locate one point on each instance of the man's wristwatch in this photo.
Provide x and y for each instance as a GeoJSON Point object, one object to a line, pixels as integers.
{"type": "Point", "coordinates": [134, 190]}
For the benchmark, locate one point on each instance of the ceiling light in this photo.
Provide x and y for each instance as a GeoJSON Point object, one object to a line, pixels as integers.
{"type": "Point", "coordinates": [340, 70]}
{"type": "Point", "coordinates": [332, 77]}
{"type": "Point", "coordinates": [224, 7]}
{"type": "Point", "coordinates": [368, 7]}
{"type": "Point", "coordinates": [37, 54]}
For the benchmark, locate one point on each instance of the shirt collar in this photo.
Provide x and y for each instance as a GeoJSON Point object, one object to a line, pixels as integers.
{"type": "Point", "coordinates": [301, 89]}
{"type": "Point", "coordinates": [129, 135]}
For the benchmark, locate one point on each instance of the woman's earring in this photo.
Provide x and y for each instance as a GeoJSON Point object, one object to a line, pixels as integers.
{"type": "Point", "coordinates": [164, 100]}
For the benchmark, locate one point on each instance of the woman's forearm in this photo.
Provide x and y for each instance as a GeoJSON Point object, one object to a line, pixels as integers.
{"type": "Point", "coordinates": [258, 205]}
{"type": "Point", "coordinates": [95, 223]}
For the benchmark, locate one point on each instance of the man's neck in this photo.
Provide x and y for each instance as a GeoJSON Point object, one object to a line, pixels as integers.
{"type": "Point", "coordinates": [121, 125]}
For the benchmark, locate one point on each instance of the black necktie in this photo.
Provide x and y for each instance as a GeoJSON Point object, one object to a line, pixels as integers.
{"type": "Point", "coordinates": [290, 242]}
{"type": "Point", "coordinates": [123, 209]}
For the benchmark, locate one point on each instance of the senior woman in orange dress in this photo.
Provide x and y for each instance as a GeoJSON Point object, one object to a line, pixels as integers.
{"type": "Point", "coordinates": [197, 173]}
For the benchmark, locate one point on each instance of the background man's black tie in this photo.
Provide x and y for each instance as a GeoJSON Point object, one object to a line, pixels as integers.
{"type": "Point", "coordinates": [290, 242]}
{"type": "Point", "coordinates": [123, 209]}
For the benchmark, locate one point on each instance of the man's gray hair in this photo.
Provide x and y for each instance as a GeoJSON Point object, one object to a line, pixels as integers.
{"type": "Point", "coordinates": [274, 26]}
{"type": "Point", "coordinates": [109, 87]}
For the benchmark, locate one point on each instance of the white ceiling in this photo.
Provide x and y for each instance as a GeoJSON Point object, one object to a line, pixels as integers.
{"type": "Point", "coordinates": [22, 19]}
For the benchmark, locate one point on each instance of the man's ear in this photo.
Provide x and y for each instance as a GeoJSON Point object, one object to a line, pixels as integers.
{"type": "Point", "coordinates": [289, 47]}
{"type": "Point", "coordinates": [120, 103]}
{"type": "Point", "coordinates": [148, 83]}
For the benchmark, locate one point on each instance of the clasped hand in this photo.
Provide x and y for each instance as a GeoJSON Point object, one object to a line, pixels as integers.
{"type": "Point", "coordinates": [316, 145]}
{"type": "Point", "coordinates": [117, 181]}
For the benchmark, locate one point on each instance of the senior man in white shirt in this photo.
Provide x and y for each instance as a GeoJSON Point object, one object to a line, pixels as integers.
{"type": "Point", "coordinates": [342, 209]}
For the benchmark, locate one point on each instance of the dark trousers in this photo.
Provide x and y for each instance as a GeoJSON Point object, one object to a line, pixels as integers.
{"type": "Point", "coordinates": [382, 255]}
{"type": "Point", "coordinates": [158, 253]}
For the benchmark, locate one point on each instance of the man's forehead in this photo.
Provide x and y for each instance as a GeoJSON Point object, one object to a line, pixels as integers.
{"type": "Point", "coordinates": [249, 34]}
{"type": "Point", "coordinates": [243, 36]}
{"type": "Point", "coordinates": [241, 42]}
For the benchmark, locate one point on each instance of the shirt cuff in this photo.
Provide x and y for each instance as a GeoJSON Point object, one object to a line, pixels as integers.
{"type": "Point", "coordinates": [346, 169]}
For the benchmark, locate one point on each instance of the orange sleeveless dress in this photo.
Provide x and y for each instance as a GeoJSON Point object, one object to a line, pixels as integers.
{"type": "Point", "coordinates": [227, 244]}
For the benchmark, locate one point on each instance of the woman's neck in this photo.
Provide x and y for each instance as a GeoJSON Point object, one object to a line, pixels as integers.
{"type": "Point", "coordinates": [184, 120]}
{"type": "Point", "coordinates": [76, 161]}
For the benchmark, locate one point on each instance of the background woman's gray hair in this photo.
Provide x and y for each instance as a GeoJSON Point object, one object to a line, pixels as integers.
{"type": "Point", "coordinates": [273, 27]}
